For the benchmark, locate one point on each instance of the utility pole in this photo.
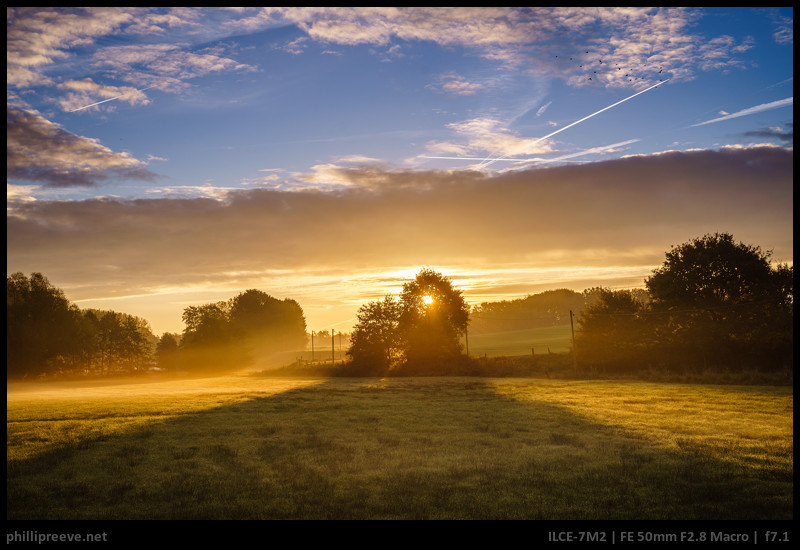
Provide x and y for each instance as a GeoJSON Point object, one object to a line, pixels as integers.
{"type": "Point", "coordinates": [574, 351]}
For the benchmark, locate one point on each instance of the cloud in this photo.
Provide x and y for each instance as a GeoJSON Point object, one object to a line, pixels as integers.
{"type": "Point", "coordinates": [40, 37]}
{"type": "Point", "coordinates": [487, 134]}
{"type": "Point", "coordinates": [643, 41]}
{"type": "Point", "coordinates": [620, 213]}
{"type": "Point", "coordinates": [785, 136]}
{"type": "Point", "coordinates": [750, 111]}
{"type": "Point", "coordinates": [543, 108]}
{"type": "Point", "coordinates": [452, 83]}
{"type": "Point", "coordinates": [39, 150]}
{"type": "Point", "coordinates": [163, 66]}
{"type": "Point", "coordinates": [784, 29]}
{"type": "Point", "coordinates": [84, 92]}
{"type": "Point", "coordinates": [36, 37]}
{"type": "Point", "coordinates": [296, 46]}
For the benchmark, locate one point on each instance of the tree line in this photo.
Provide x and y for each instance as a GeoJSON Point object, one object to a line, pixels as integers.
{"type": "Point", "coordinates": [713, 304]}
{"type": "Point", "coordinates": [47, 335]}
{"type": "Point", "coordinates": [545, 309]}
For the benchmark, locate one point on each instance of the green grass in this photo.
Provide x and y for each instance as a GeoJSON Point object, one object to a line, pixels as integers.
{"type": "Point", "coordinates": [556, 339]}
{"type": "Point", "coordinates": [248, 447]}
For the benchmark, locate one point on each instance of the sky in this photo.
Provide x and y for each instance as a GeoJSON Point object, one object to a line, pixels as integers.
{"type": "Point", "coordinates": [159, 158]}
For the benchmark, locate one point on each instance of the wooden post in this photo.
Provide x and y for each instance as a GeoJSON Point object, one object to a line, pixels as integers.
{"type": "Point", "coordinates": [574, 351]}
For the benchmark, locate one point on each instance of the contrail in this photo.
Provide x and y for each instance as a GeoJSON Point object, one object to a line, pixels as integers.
{"type": "Point", "coordinates": [492, 161]}
{"type": "Point", "coordinates": [110, 99]}
{"type": "Point", "coordinates": [752, 110]}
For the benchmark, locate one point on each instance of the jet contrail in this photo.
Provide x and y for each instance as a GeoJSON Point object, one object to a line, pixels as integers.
{"type": "Point", "coordinates": [110, 99]}
{"type": "Point", "coordinates": [752, 110]}
{"type": "Point", "coordinates": [492, 161]}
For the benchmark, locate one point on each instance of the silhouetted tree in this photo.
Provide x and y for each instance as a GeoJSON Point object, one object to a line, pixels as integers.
{"type": "Point", "coordinates": [433, 316]}
{"type": "Point", "coordinates": [374, 342]}
{"type": "Point", "coordinates": [234, 334]}
{"type": "Point", "coordinates": [417, 333]}
{"type": "Point", "coordinates": [611, 334]}
{"type": "Point", "coordinates": [121, 343]}
{"type": "Point", "coordinates": [47, 335]}
{"type": "Point", "coordinates": [270, 325]}
{"type": "Point", "coordinates": [206, 325]}
{"type": "Point", "coordinates": [167, 351]}
{"type": "Point", "coordinates": [723, 300]}
{"type": "Point", "coordinates": [41, 326]}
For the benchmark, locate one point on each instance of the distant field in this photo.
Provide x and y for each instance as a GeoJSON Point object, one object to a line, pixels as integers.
{"type": "Point", "coordinates": [247, 447]}
{"type": "Point", "coordinates": [522, 342]}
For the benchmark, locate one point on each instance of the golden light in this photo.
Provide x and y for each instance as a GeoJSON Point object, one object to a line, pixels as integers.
{"type": "Point", "coordinates": [427, 299]}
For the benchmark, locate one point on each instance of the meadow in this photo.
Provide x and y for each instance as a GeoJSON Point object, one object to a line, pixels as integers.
{"type": "Point", "coordinates": [255, 447]}
{"type": "Point", "coordinates": [540, 340]}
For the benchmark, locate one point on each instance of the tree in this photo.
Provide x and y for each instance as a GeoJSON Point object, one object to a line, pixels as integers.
{"type": "Point", "coordinates": [433, 316]}
{"type": "Point", "coordinates": [121, 343]}
{"type": "Point", "coordinates": [206, 325]}
{"type": "Point", "coordinates": [167, 351]}
{"type": "Point", "coordinates": [416, 333]}
{"type": "Point", "coordinates": [233, 334]}
{"type": "Point", "coordinates": [41, 325]}
{"type": "Point", "coordinates": [270, 325]}
{"type": "Point", "coordinates": [374, 343]}
{"type": "Point", "coordinates": [545, 309]}
{"type": "Point", "coordinates": [611, 331]}
{"type": "Point", "coordinates": [724, 302]}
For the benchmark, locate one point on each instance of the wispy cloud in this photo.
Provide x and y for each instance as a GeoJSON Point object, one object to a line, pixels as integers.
{"type": "Point", "coordinates": [37, 37]}
{"type": "Point", "coordinates": [630, 37]}
{"type": "Point", "coordinates": [455, 84]}
{"type": "Point", "coordinates": [543, 108]}
{"type": "Point", "coordinates": [81, 90]}
{"type": "Point", "coordinates": [750, 111]}
{"type": "Point", "coordinates": [640, 40]}
{"type": "Point", "coordinates": [785, 136]}
{"type": "Point", "coordinates": [164, 66]}
{"type": "Point", "coordinates": [488, 134]}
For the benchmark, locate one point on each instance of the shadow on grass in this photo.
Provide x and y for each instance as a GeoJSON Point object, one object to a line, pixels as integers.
{"type": "Point", "coordinates": [388, 449]}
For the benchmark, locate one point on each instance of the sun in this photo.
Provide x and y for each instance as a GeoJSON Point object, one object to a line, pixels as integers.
{"type": "Point", "coordinates": [427, 299]}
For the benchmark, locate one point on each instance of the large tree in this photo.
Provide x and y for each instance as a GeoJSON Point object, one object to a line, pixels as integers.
{"type": "Point", "coordinates": [433, 317]}
{"type": "Point", "coordinates": [612, 332]}
{"type": "Point", "coordinates": [236, 333]}
{"type": "Point", "coordinates": [41, 325]}
{"type": "Point", "coordinates": [417, 333]}
{"type": "Point", "coordinates": [47, 335]}
{"type": "Point", "coordinates": [268, 324]}
{"type": "Point", "coordinates": [374, 343]}
{"type": "Point", "coordinates": [723, 302]}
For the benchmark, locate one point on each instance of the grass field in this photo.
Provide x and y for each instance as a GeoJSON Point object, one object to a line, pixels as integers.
{"type": "Point", "coordinates": [555, 339]}
{"type": "Point", "coordinates": [249, 447]}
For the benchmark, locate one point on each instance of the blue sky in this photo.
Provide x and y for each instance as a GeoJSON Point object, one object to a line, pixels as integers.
{"type": "Point", "coordinates": [164, 157]}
